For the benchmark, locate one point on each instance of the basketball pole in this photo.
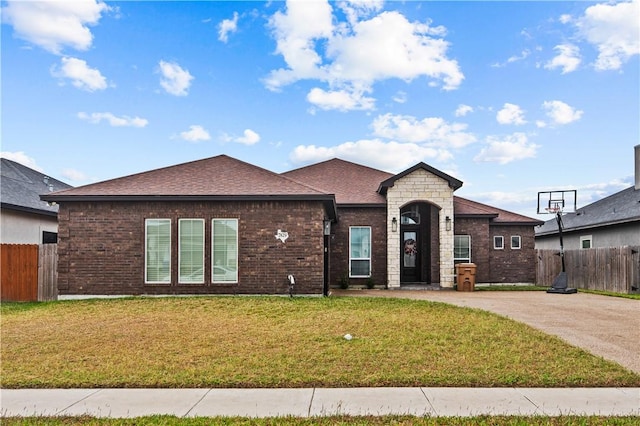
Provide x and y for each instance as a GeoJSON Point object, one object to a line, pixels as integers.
{"type": "Point", "coordinates": [560, 283]}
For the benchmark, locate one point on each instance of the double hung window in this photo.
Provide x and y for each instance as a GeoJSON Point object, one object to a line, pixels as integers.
{"type": "Point", "coordinates": [157, 263]}
{"type": "Point", "coordinates": [461, 249]}
{"type": "Point", "coordinates": [224, 247]}
{"type": "Point", "coordinates": [191, 251]}
{"type": "Point", "coordinates": [360, 251]}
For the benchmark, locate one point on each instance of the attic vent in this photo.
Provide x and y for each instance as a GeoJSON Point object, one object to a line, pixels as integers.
{"type": "Point", "coordinates": [46, 180]}
{"type": "Point", "coordinates": [50, 187]}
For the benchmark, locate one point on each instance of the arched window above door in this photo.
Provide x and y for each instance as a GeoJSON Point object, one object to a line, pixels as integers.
{"type": "Point", "coordinates": [411, 216]}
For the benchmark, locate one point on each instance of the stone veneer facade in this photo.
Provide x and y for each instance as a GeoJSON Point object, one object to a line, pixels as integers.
{"type": "Point", "coordinates": [420, 186]}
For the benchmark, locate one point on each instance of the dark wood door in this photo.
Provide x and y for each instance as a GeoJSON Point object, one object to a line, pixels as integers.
{"type": "Point", "coordinates": [410, 256]}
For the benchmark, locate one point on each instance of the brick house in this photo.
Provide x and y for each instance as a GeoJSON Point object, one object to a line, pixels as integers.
{"type": "Point", "coordinates": [223, 226]}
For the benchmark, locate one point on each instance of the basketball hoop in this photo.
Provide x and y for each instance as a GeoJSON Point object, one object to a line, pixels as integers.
{"type": "Point", "coordinates": [552, 210]}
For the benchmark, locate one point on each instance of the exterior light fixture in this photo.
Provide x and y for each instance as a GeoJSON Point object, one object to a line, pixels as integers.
{"type": "Point", "coordinates": [327, 227]}
{"type": "Point", "coordinates": [394, 225]}
{"type": "Point", "coordinates": [448, 223]}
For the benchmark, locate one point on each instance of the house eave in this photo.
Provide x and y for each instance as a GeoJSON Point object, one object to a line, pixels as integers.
{"type": "Point", "coordinates": [588, 227]}
{"type": "Point", "coordinates": [327, 199]}
{"type": "Point", "coordinates": [29, 210]}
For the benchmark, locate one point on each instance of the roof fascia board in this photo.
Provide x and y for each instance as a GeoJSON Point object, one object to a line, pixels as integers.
{"type": "Point", "coordinates": [28, 210]}
{"type": "Point", "coordinates": [588, 227]}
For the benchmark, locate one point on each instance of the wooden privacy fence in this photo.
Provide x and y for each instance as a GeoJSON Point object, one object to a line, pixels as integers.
{"type": "Point", "coordinates": [615, 269]}
{"type": "Point", "coordinates": [28, 272]}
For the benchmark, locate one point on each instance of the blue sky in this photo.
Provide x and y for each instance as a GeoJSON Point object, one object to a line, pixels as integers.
{"type": "Point", "coordinates": [512, 98]}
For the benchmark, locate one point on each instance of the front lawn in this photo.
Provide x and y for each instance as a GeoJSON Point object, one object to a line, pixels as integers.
{"type": "Point", "coordinates": [282, 342]}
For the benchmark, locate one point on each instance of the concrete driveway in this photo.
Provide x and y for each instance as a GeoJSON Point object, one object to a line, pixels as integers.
{"type": "Point", "coordinates": [603, 325]}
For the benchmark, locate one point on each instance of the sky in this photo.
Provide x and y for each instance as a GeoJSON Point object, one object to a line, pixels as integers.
{"type": "Point", "coordinates": [510, 97]}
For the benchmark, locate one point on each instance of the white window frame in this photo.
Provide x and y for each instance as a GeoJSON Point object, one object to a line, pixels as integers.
{"type": "Point", "coordinates": [519, 245]}
{"type": "Point", "coordinates": [146, 249]}
{"type": "Point", "coordinates": [213, 257]}
{"type": "Point", "coordinates": [586, 238]}
{"type": "Point", "coordinates": [495, 240]}
{"type": "Point", "coordinates": [461, 259]}
{"type": "Point", "coordinates": [181, 279]}
{"type": "Point", "coordinates": [367, 258]}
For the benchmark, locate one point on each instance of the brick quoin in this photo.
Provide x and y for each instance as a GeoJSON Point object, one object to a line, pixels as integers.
{"type": "Point", "coordinates": [102, 249]}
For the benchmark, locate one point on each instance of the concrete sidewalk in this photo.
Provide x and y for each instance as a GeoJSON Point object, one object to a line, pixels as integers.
{"type": "Point", "coordinates": [308, 402]}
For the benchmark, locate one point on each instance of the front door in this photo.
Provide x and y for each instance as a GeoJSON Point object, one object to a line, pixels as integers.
{"type": "Point", "coordinates": [415, 243]}
{"type": "Point", "coordinates": [409, 257]}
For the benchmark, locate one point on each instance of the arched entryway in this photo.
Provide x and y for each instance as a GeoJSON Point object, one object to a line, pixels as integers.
{"type": "Point", "coordinates": [419, 244]}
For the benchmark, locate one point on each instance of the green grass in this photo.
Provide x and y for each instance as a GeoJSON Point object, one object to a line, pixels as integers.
{"type": "Point", "coordinates": [335, 420]}
{"type": "Point", "coordinates": [278, 342]}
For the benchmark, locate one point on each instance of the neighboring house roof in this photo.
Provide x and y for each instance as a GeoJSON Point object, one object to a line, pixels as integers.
{"type": "Point", "coordinates": [466, 208]}
{"type": "Point", "coordinates": [353, 184]}
{"type": "Point", "coordinates": [453, 182]}
{"type": "Point", "coordinates": [215, 178]}
{"type": "Point", "coordinates": [621, 207]}
{"type": "Point", "coordinates": [22, 186]}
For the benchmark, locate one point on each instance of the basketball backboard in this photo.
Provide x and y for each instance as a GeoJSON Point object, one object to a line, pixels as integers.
{"type": "Point", "coordinates": [564, 201]}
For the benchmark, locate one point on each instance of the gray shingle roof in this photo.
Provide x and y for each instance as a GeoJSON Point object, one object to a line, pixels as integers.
{"type": "Point", "coordinates": [621, 207]}
{"type": "Point", "coordinates": [21, 188]}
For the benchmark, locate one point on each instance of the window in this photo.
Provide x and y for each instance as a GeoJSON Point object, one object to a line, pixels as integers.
{"type": "Point", "coordinates": [191, 251]}
{"type": "Point", "coordinates": [515, 242]}
{"type": "Point", "coordinates": [224, 250]}
{"type": "Point", "coordinates": [498, 242]}
{"type": "Point", "coordinates": [586, 242]}
{"type": "Point", "coordinates": [157, 251]}
{"type": "Point", "coordinates": [461, 249]}
{"type": "Point", "coordinates": [360, 251]}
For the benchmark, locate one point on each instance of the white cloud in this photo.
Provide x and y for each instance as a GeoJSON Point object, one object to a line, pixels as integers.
{"type": "Point", "coordinates": [195, 134]}
{"type": "Point", "coordinates": [22, 158]}
{"type": "Point", "coordinates": [341, 100]}
{"type": "Point", "coordinates": [175, 80]}
{"type": "Point", "coordinates": [463, 110]}
{"type": "Point", "coordinates": [515, 58]}
{"type": "Point", "coordinates": [430, 131]}
{"type": "Point", "coordinates": [249, 137]}
{"type": "Point", "coordinates": [400, 97]}
{"type": "Point", "coordinates": [53, 25]}
{"type": "Point", "coordinates": [390, 156]}
{"type": "Point", "coordinates": [351, 56]}
{"type": "Point", "coordinates": [114, 121]}
{"type": "Point", "coordinates": [568, 58]}
{"type": "Point", "coordinates": [614, 29]}
{"type": "Point", "coordinates": [506, 150]}
{"type": "Point", "coordinates": [510, 114]}
{"type": "Point", "coordinates": [81, 75]}
{"type": "Point", "coordinates": [226, 27]}
{"type": "Point", "coordinates": [74, 175]}
{"type": "Point", "coordinates": [561, 113]}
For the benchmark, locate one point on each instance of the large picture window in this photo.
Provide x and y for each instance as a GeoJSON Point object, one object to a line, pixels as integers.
{"type": "Point", "coordinates": [360, 251]}
{"type": "Point", "coordinates": [157, 251]}
{"type": "Point", "coordinates": [461, 249]}
{"type": "Point", "coordinates": [224, 256]}
{"type": "Point", "coordinates": [191, 251]}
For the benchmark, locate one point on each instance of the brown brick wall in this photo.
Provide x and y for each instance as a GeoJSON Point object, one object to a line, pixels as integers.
{"type": "Point", "coordinates": [101, 246]}
{"type": "Point", "coordinates": [499, 266]}
{"type": "Point", "coordinates": [509, 265]}
{"type": "Point", "coordinates": [339, 261]}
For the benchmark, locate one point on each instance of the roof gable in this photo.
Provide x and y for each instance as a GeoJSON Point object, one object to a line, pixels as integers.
{"type": "Point", "coordinates": [22, 186]}
{"type": "Point", "coordinates": [453, 182]}
{"type": "Point", "coordinates": [352, 184]}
